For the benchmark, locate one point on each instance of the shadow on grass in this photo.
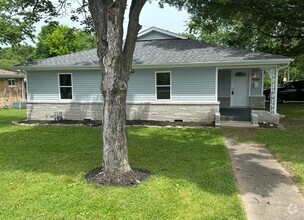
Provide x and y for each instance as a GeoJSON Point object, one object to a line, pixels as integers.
{"type": "Point", "coordinates": [195, 155]}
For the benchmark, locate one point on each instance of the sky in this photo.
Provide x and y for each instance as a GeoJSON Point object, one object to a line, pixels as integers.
{"type": "Point", "coordinates": [168, 18]}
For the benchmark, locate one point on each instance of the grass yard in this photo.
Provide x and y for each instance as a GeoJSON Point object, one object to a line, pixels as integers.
{"type": "Point", "coordinates": [291, 110]}
{"type": "Point", "coordinates": [287, 145]}
{"type": "Point", "coordinates": [42, 174]}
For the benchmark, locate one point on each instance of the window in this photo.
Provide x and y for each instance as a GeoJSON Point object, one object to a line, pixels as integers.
{"type": "Point", "coordinates": [11, 83]}
{"type": "Point", "coordinates": [240, 74]}
{"type": "Point", "coordinates": [65, 86]}
{"type": "Point", "coordinates": [163, 85]}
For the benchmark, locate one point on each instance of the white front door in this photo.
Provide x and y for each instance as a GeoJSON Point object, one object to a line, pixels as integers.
{"type": "Point", "coordinates": [239, 88]}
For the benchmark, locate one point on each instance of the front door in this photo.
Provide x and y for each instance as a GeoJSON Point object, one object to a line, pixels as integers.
{"type": "Point", "coordinates": [239, 88]}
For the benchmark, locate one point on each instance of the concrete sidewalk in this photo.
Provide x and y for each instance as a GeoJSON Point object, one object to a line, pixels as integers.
{"type": "Point", "coordinates": [265, 187]}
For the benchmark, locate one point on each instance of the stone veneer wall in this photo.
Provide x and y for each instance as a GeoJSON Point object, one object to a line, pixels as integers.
{"type": "Point", "coordinates": [257, 102]}
{"type": "Point", "coordinates": [265, 116]}
{"type": "Point", "coordinates": [158, 112]}
{"type": "Point", "coordinates": [224, 102]}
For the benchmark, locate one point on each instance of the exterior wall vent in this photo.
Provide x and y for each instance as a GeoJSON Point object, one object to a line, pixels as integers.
{"type": "Point", "coordinates": [178, 120]}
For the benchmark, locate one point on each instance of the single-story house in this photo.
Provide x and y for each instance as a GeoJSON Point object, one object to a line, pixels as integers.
{"type": "Point", "coordinates": [11, 88]}
{"type": "Point", "coordinates": [174, 78]}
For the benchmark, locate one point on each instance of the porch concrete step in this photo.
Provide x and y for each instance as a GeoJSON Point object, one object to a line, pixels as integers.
{"type": "Point", "coordinates": [237, 124]}
{"type": "Point", "coordinates": [235, 118]}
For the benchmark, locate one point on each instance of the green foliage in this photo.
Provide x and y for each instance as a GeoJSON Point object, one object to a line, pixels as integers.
{"type": "Point", "coordinates": [55, 39]}
{"type": "Point", "coordinates": [274, 26]}
{"type": "Point", "coordinates": [297, 70]}
{"type": "Point", "coordinates": [10, 56]}
{"type": "Point", "coordinates": [191, 174]}
{"type": "Point", "coordinates": [271, 26]}
{"type": "Point", "coordinates": [17, 18]}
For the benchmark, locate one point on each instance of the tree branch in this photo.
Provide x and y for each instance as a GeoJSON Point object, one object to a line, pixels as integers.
{"type": "Point", "coordinates": [289, 36]}
{"type": "Point", "coordinates": [99, 16]}
{"type": "Point", "coordinates": [133, 29]}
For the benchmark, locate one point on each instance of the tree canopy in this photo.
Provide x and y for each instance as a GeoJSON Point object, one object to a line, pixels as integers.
{"type": "Point", "coordinates": [55, 39]}
{"type": "Point", "coordinates": [267, 25]}
{"type": "Point", "coordinates": [10, 56]}
{"type": "Point", "coordinates": [273, 26]}
{"type": "Point", "coordinates": [17, 19]}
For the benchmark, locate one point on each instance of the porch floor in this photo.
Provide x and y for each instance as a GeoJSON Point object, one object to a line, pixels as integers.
{"type": "Point", "coordinates": [235, 114]}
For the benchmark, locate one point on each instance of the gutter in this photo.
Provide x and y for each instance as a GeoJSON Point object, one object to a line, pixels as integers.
{"type": "Point", "coordinates": [257, 63]}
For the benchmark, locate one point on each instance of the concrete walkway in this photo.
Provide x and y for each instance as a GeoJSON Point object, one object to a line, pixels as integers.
{"type": "Point", "coordinates": [265, 187]}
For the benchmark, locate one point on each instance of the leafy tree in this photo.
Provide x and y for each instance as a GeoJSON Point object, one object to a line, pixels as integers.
{"type": "Point", "coordinates": [17, 18]}
{"type": "Point", "coordinates": [55, 39]}
{"type": "Point", "coordinates": [115, 56]}
{"type": "Point", "coordinates": [266, 25]}
{"type": "Point", "coordinates": [10, 56]}
{"type": "Point", "coordinates": [273, 26]}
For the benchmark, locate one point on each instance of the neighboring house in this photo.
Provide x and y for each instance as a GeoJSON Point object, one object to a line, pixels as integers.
{"type": "Point", "coordinates": [174, 78]}
{"type": "Point", "coordinates": [11, 88]}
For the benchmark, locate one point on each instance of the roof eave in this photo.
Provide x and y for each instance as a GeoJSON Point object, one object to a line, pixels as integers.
{"type": "Point", "coordinates": [269, 62]}
{"type": "Point", "coordinates": [8, 76]}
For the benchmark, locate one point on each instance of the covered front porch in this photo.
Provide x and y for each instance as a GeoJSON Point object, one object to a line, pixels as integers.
{"type": "Point", "coordinates": [240, 94]}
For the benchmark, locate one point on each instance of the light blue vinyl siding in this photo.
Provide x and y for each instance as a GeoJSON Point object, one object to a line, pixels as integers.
{"type": "Point", "coordinates": [187, 84]}
{"type": "Point", "coordinates": [86, 86]}
{"type": "Point", "coordinates": [42, 86]}
{"type": "Point", "coordinates": [256, 84]}
{"type": "Point", "coordinates": [193, 84]}
{"type": "Point", "coordinates": [141, 86]}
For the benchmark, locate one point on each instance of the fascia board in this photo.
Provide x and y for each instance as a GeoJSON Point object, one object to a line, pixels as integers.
{"type": "Point", "coordinates": [11, 76]}
{"type": "Point", "coordinates": [272, 62]}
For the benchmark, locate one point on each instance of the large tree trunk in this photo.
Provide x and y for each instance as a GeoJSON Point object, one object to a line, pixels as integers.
{"type": "Point", "coordinates": [116, 64]}
{"type": "Point", "coordinates": [115, 146]}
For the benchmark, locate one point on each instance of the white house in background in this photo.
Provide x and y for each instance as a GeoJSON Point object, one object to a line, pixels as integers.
{"type": "Point", "coordinates": [174, 78]}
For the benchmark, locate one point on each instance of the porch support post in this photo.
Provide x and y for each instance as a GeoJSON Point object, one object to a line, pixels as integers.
{"type": "Point", "coordinates": [273, 74]}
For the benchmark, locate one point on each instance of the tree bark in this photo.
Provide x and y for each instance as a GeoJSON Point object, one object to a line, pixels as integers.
{"type": "Point", "coordinates": [115, 63]}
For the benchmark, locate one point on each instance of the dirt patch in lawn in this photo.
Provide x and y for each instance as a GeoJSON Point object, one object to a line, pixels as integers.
{"type": "Point", "coordinates": [268, 125]}
{"type": "Point", "coordinates": [132, 178]}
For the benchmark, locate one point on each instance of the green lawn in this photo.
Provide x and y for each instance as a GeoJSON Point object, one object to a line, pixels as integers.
{"type": "Point", "coordinates": [287, 145]}
{"type": "Point", "coordinates": [42, 174]}
{"type": "Point", "coordinates": [291, 110]}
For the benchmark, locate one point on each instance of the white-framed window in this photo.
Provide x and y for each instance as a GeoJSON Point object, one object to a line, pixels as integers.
{"type": "Point", "coordinates": [11, 82]}
{"type": "Point", "coordinates": [163, 85]}
{"type": "Point", "coordinates": [65, 85]}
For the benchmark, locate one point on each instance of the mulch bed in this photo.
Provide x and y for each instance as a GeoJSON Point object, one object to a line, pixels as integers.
{"type": "Point", "coordinates": [98, 123]}
{"type": "Point", "coordinates": [132, 178]}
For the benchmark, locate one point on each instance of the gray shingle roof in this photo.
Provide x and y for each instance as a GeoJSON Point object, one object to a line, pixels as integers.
{"type": "Point", "coordinates": [9, 74]}
{"type": "Point", "coordinates": [163, 52]}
